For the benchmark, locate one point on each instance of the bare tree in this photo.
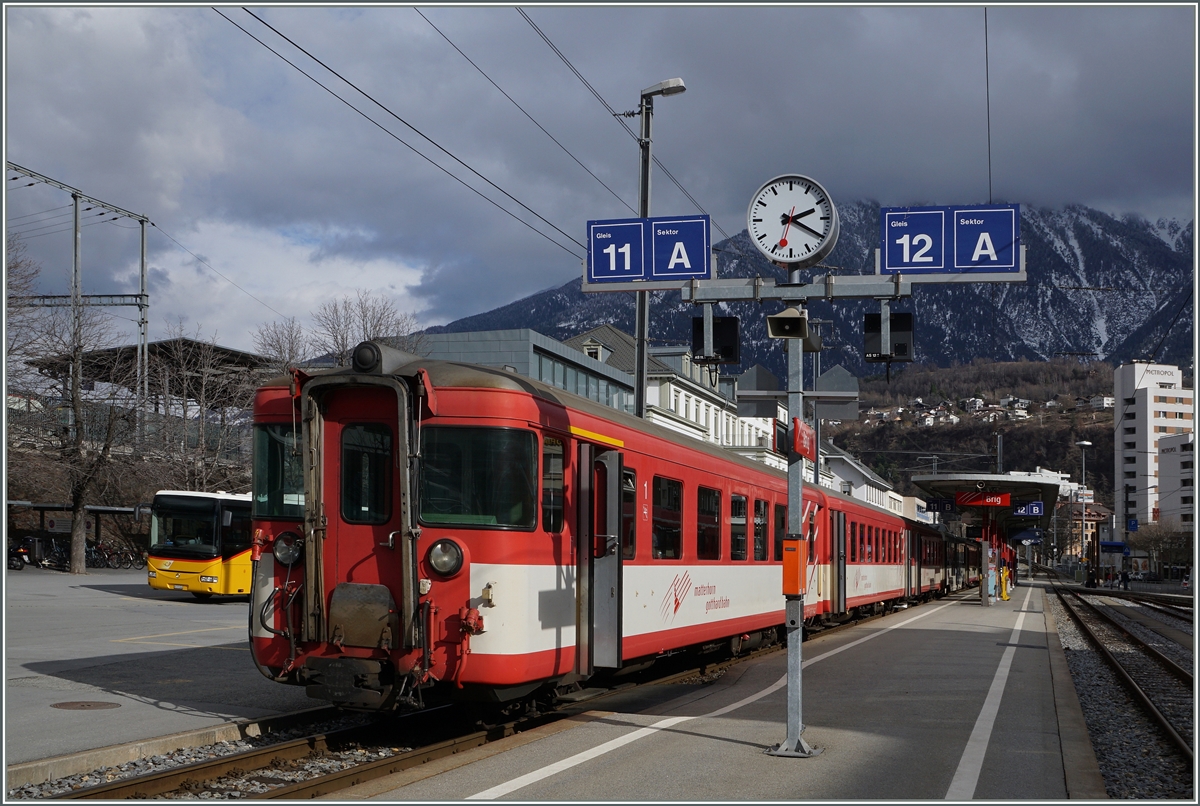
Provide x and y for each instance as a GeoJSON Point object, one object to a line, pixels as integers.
{"type": "Point", "coordinates": [22, 318]}
{"type": "Point", "coordinates": [206, 412]}
{"type": "Point", "coordinates": [284, 344]}
{"type": "Point", "coordinates": [79, 420]}
{"type": "Point", "coordinates": [340, 324]}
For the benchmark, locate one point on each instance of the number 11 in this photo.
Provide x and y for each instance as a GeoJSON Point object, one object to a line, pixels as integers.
{"type": "Point", "coordinates": [611, 251]}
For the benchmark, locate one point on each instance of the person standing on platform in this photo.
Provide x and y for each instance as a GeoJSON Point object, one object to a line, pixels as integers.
{"type": "Point", "coordinates": [1125, 580]}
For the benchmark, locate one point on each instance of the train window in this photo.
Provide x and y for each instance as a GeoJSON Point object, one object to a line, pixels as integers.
{"type": "Point", "coordinates": [552, 485]}
{"type": "Point", "coordinates": [737, 527]}
{"type": "Point", "coordinates": [628, 515]}
{"type": "Point", "coordinates": [484, 477]}
{"type": "Point", "coordinates": [708, 524]}
{"type": "Point", "coordinates": [853, 542]}
{"type": "Point", "coordinates": [780, 530]}
{"type": "Point", "coordinates": [760, 530]}
{"type": "Point", "coordinates": [278, 472]}
{"type": "Point", "coordinates": [667, 539]}
{"type": "Point", "coordinates": [366, 473]}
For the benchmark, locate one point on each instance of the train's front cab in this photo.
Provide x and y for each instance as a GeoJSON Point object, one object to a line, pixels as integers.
{"type": "Point", "coordinates": [335, 601]}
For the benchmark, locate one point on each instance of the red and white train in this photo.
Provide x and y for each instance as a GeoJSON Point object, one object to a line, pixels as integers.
{"type": "Point", "coordinates": [426, 528]}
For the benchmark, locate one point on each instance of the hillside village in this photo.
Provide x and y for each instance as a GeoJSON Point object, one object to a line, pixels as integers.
{"type": "Point", "coordinates": [930, 414]}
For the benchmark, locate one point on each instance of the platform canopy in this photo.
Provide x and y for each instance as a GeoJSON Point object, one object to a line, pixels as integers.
{"type": "Point", "coordinates": [1020, 488]}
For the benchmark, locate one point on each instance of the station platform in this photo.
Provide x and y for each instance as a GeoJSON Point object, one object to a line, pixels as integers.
{"type": "Point", "coordinates": [101, 659]}
{"type": "Point", "coordinates": [943, 701]}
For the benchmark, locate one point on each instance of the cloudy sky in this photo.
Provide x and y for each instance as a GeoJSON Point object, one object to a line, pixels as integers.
{"type": "Point", "coordinates": [295, 197]}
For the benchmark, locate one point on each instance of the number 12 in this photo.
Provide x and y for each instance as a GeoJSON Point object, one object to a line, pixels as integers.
{"type": "Point", "coordinates": [919, 256]}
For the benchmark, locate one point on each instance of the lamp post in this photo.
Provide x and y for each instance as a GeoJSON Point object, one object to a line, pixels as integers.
{"type": "Point", "coordinates": [1093, 556]}
{"type": "Point", "coordinates": [672, 86]}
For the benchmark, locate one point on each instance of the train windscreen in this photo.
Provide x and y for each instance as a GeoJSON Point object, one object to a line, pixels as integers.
{"type": "Point", "coordinates": [483, 477]}
{"type": "Point", "coordinates": [184, 526]}
{"type": "Point", "coordinates": [278, 473]}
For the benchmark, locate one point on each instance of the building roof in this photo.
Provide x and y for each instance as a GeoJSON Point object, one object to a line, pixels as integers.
{"type": "Point", "coordinates": [832, 451]}
{"type": "Point", "coordinates": [622, 348]}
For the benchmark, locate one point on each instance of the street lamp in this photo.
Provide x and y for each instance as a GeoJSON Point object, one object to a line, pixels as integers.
{"type": "Point", "coordinates": [672, 86]}
{"type": "Point", "coordinates": [1092, 563]}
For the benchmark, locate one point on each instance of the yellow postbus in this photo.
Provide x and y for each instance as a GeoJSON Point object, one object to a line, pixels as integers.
{"type": "Point", "coordinates": [200, 543]}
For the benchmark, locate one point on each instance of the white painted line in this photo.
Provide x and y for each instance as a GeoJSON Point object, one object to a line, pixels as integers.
{"type": "Point", "coordinates": [599, 750]}
{"type": "Point", "coordinates": [966, 777]}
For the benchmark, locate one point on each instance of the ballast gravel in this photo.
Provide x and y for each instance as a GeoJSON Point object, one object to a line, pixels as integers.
{"type": "Point", "coordinates": [1136, 760]}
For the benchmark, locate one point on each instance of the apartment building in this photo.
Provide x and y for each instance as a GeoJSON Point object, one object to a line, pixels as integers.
{"type": "Point", "coordinates": [1151, 403]}
{"type": "Point", "coordinates": [1176, 481]}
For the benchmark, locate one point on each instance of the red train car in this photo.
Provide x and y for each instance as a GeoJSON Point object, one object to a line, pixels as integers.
{"type": "Point", "coordinates": [428, 525]}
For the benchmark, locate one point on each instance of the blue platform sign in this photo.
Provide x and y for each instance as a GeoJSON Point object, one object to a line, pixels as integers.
{"type": "Point", "coordinates": [660, 248]}
{"type": "Point", "coordinates": [1029, 509]}
{"type": "Point", "coordinates": [967, 239]}
{"type": "Point", "coordinates": [940, 505]}
{"type": "Point", "coordinates": [1131, 525]}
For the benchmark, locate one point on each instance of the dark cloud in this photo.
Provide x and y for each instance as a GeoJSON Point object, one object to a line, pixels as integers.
{"type": "Point", "coordinates": [177, 114]}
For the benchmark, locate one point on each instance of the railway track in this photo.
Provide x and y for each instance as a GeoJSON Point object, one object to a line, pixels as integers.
{"type": "Point", "coordinates": [324, 763]}
{"type": "Point", "coordinates": [1162, 687]}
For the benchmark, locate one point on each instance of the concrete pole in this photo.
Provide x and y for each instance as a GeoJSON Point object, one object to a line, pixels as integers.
{"type": "Point", "coordinates": [143, 344]}
{"type": "Point", "coordinates": [643, 297]}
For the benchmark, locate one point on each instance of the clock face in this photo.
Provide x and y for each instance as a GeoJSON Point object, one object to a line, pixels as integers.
{"type": "Point", "coordinates": [792, 220]}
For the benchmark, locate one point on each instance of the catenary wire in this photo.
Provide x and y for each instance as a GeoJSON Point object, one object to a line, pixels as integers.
{"type": "Point", "coordinates": [40, 212]}
{"type": "Point", "coordinates": [398, 139]}
{"type": "Point", "coordinates": [531, 118]}
{"type": "Point", "coordinates": [618, 117]}
{"type": "Point", "coordinates": [417, 131]}
{"type": "Point", "coordinates": [64, 229]}
{"type": "Point", "coordinates": [210, 266]}
{"type": "Point", "coordinates": [31, 228]}
{"type": "Point", "coordinates": [36, 221]}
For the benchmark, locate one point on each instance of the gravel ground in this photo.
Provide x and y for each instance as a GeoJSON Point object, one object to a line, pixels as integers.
{"type": "Point", "coordinates": [1180, 654]}
{"type": "Point", "coordinates": [1136, 760]}
{"type": "Point", "coordinates": [190, 755]}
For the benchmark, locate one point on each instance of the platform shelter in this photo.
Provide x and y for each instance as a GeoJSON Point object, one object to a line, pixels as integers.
{"type": "Point", "coordinates": [1000, 506]}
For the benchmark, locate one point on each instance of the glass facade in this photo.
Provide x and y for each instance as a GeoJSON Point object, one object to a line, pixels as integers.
{"type": "Point", "coordinates": [562, 375]}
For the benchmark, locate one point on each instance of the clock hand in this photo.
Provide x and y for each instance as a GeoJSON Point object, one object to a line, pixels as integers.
{"type": "Point", "coordinates": [796, 218]}
{"type": "Point", "coordinates": [783, 240]}
{"type": "Point", "coordinates": [810, 229]}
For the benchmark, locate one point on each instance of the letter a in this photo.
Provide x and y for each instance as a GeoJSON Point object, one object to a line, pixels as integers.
{"type": "Point", "coordinates": [679, 255]}
{"type": "Point", "coordinates": [984, 247]}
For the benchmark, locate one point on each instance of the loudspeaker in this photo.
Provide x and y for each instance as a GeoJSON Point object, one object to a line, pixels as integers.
{"type": "Point", "coordinates": [790, 323]}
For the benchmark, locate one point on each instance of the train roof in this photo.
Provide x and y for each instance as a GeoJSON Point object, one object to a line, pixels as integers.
{"type": "Point", "coordinates": [453, 374]}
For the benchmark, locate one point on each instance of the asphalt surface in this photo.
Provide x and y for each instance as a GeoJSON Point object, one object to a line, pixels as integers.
{"type": "Point", "coordinates": [169, 662]}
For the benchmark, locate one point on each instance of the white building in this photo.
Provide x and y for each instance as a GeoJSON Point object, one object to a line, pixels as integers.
{"type": "Point", "coordinates": [1176, 481]}
{"type": "Point", "coordinates": [851, 477]}
{"type": "Point", "coordinates": [1151, 403]}
{"type": "Point", "coordinates": [1101, 402]}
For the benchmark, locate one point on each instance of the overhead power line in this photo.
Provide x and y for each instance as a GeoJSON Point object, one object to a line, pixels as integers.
{"type": "Point", "coordinates": [210, 266]}
{"type": "Point", "coordinates": [618, 117]}
{"type": "Point", "coordinates": [518, 106]}
{"type": "Point", "coordinates": [411, 127]}
{"type": "Point", "coordinates": [40, 212]}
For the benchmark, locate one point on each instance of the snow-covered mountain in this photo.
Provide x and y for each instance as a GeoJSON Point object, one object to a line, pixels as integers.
{"type": "Point", "coordinates": [1118, 288]}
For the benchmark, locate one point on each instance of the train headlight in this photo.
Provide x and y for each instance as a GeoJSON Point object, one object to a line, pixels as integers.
{"type": "Point", "coordinates": [288, 548]}
{"type": "Point", "coordinates": [446, 557]}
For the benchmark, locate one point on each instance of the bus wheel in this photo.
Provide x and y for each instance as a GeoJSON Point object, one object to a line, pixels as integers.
{"type": "Point", "coordinates": [204, 597]}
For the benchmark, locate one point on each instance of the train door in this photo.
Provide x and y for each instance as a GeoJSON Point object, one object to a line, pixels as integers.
{"type": "Point", "coordinates": [362, 550]}
{"type": "Point", "coordinates": [839, 557]}
{"type": "Point", "coordinates": [908, 562]}
{"type": "Point", "coordinates": [598, 587]}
